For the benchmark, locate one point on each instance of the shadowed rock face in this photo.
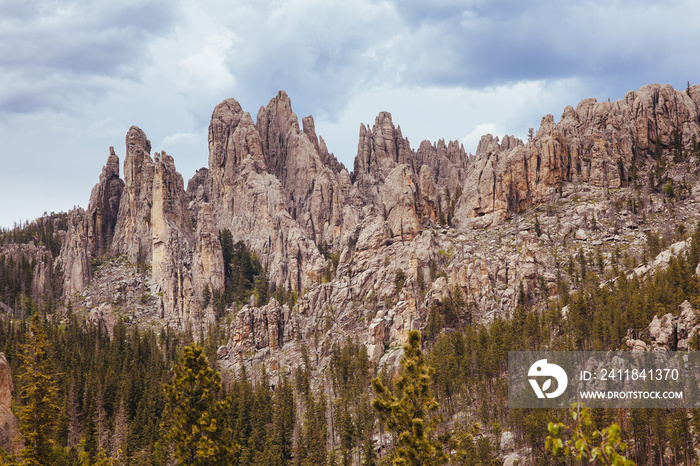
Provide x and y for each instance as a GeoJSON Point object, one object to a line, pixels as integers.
{"type": "Point", "coordinates": [103, 208]}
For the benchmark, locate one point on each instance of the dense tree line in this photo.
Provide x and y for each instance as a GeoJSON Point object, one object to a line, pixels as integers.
{"type": "Point", "coordinates": [243, 274]}
{"type": "Point", "coordinates": [110, 402]}
{"type": "Point", "coordinates": [42, 232]}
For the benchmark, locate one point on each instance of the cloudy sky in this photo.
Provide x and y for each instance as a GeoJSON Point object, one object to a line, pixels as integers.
{"type": "Point", "coordinates": [75, 75]}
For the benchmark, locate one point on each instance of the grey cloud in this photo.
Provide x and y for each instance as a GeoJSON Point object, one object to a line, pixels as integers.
{"type": "Point", "coordinates": [477, 44]}
{"type": "Point", "coordinates": [62, 47]}
{"type": "Point", "coordinates": [321, 61]}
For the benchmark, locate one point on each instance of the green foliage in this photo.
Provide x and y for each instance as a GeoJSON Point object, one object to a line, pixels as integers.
{"type": "Point", "coordinates": [410, 412]}
{"type": "Point", "coordinates": [39, 397]}
{"type": "Point", "coordinates": [243, 273]}
{"type": "Point", "coordinates": [206, 295]}
{"type": "Point", "coordinates": [668, 189]}
{"type": "Point", "coordinates": [43, 231]}
{"type": "Point", "coordinates": [420, 281]}
{"type": "Point", "coordinates": [194, 418]}
{"type": "Point", "coordinates": [585, 443]}
{"type": "Point", "coordinates": [399, 279]}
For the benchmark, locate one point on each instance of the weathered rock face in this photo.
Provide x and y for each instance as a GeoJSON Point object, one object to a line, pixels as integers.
{"type": "Point", "coordinates": [103, 208]}
{"type": "Point", "coordinates": [9, 432]}
{"type": "Point", "coordinates": [598, 143]}
{"type": "Point", "coordinates": [422, 190]}
{"type": "Point", "coordinates": [448, 162]}
{"type": "Point", "coordinates": [103, 316]}
{"type": "Point", "coordinates": [276, 187]}
{"type": "Point", "coordinates": [197, 193]}
{"type": "Point", "coordinates": [253, 203]}
{"type": "Point", "coordinates": [208, 261]}
{"type": "Point", "coordinates": [132, 232]}
{"type": "Point", "coordinates": [260, 327]}
{"type": "Point", "coordinates": [146, 219]}
{"type": "Point", "coordinates": [173, 242]}
{"type": "Point", "coordinates": [400, 200]}
{"type": "Point", "coordinates": [668, 333]}
{"type": "Point", "coordinates": [74, 260]}
{"type": "Point", "coordinates": [380, 150]}
{"type": "Point", "coordinates": [90, 235]}
{"type": "Point", "coordinates": [314, 182]}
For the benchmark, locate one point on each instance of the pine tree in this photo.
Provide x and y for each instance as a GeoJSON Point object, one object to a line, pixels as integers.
{"type": "Point", "coordinates": [281, 441]}
{"type": "Point", "coordinates": [100, 420]}
{"type": "Point", "coordinates": [194, 418]}
{"type": "Point", "coordinates": [74, 430]}
{"type": "Point", "coordinates": [38, 394]}
{"type": "Point", "coordinates": [408, 413]}
{"type": "Point", "coordinates": [120, 434]}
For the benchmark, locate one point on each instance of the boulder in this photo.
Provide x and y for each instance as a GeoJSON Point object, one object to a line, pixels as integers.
{"type": "Point", "coordinates": [9, 432]}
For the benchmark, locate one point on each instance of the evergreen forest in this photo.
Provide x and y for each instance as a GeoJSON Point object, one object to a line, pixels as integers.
{"type": "Point", "coordinates": [138, 396]}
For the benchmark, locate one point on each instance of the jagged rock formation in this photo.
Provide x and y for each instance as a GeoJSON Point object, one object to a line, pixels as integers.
{"type": "Point", "coordinates": [146, 219]}
{"type": "Point", "coordinates": [276, 187]}
{"type": "Point", "coordinates": [208, 267]}
{"type": "Point", "coordinates": [9, 431]}
{"type": "Point", "coordinates": [252, 202]}
{"type": "Point", "coordinates": [132, 232]}
{"type": "Point", "coordinates": [409, 187]}
{"type": "Point", "coordinates": [597, 143]}
{"type": "Point", "coordinates": [266, 326]}
{"type": "Point", "coordinates": [173, 242]}
{"type": "Point", "coordinates": [74, 262]}
{"type": "Point", "coordinates": [103, 208]}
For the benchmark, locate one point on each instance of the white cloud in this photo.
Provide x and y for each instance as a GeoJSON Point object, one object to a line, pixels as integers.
{"type": "Point", "coordinates": [471, 140]}
{"type": "Point", "coordinates": [206, 69]}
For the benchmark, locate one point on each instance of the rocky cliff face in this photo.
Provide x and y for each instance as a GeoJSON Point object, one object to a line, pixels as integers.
{"type": "Point", "coordinates": [410, 188]}
{"type": "Point", "coordinates": [314, 182]}
{"type": "Point", "coordinates": [172, 243]}
{"type": "Point", "coordinates": [74, 263]}
{"type": "Point", "coordinates": [132, 232]}
{"type": "Point", "coordinates": [249, 197]}
{"type": "Point", "coordinates": [413, 213]}
{"type": "Point", "coordinates": [146, 219]}
{"type": "Point", "coordinates": [103, 208]}
{"type": "Point", "coordinates": [599, 143]}
{"type": "Point", "coordinates": [9, 432]}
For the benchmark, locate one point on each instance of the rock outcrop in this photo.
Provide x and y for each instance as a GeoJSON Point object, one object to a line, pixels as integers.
{"type": "Point", "coordinates": [598, 143]}
{"type": "Point", "coordinates": [410, 188]}
{"type": "Point", "coordinates": [314, 182]}
{"type": "Point", "coordinates": [173, 242]}
{"type": "Point", "coordinates": [103, 208]}
{"type": "Point", "coordinates": [74, 263]}
{"type": "Point", "coordinates": [208, 267]}
{"type": "Point", "coordinates": [252, 202]}
{"type": "Point", "coordinates": [266, 326]}
{"type": "Point", "coordinates": [668, 333]}
{"type": "Point", "coordinates": [145, 218]}
{"type": "Point", "coordinates": [132, 232]}
{"type": "Point", "coordinates": [339, 240]}
{"type": "Point", "coordinates": [9, 431]}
